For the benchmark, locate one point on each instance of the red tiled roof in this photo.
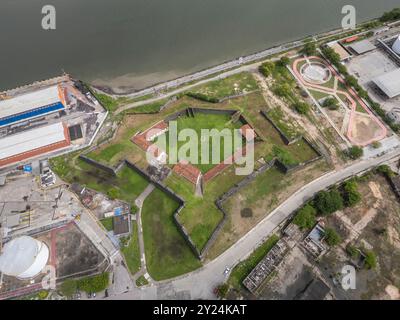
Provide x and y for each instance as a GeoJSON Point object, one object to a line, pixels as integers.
{"type": "Point", "coordinates": [188, 171]}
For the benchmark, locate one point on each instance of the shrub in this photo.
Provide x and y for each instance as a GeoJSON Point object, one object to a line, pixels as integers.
{"type": "Point", "coordinates": [385, 170]}
{"type": "Point", "coordinates": [353, 251]}
{"type": "Point", "coordinates": [68, 288]}
{"type": "Point", "coordinates": [284, 61]}
{"type": "Point", "coordinates": [355, 152]}
{"type": "Point", "coordinates": [301, 107]}
{"type": "Point", "coordinates": [94, 284]}
{"type": "Point", "coordinates": [332, 238]}
{"type": "Point", "coordinates": [43, 294]}
{"type": "Point", "coordinates": [370, 260]}
{"type": "Point", "coordinates": [202, 97]}
{"type": "Point", "coordinates": [305, 218]}
{"type": "Point", "coordinates": [113, 193]}
{"type": "Point", "coordinates": [266, 68]}
{"type": "Point", "coordinates": [330, 103]}
{"type": "Point", "coordinates": [222, 290]}
{"type": "Point", "coordinates": [282, 90]}
{"type": "Point", "coordinates": [309, 49]}
{"type": "Point", "coordinates": [351, 194]}
{"type": "Point", "coordinates": [328, 202]}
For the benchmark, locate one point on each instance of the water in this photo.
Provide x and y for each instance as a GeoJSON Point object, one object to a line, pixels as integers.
{"type": "Point", "coordinates": [134, 43]}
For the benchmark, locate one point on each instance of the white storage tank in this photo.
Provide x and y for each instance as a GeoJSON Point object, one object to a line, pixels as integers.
{"type": "Point", "coordinates": [24, 257]}
{"type": "Point", "coordinates": [396, 45]}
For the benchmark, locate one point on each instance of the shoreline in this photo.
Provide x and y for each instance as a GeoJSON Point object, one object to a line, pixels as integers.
{"type": "Point", "coordinates": [118, 92]}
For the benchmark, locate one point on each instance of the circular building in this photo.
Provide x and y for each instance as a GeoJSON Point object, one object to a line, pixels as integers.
{"type": "Point", "coordinates": [396, 45]}
{"type": "Point", "coordinates": [24, 257]}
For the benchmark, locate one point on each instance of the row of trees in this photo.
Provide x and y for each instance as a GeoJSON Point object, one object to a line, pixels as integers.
{"type": "Point", "coordinates": [391, 15]}
{"type": "Point", "coordinates": [326, 203]}
{"type": "Point", "coordinates": [90, 284]}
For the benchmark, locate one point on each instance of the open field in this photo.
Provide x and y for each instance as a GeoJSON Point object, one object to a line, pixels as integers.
{"type": "Point", "coordinates": [167, 254]}
{"type": "Point", "coordinates": [261, 196]}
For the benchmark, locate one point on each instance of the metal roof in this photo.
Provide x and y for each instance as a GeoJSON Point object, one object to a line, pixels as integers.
{"type": "Point", "coordinates": [389, 83]}
{"type": "Point", "coordinates": [363, 46]}
{"type": "Point", "coordinates": [29, 101]}
{"type": "Point", "coordinates": [31, 139]}
{"type": "Point", "coordinates": [23, 257]}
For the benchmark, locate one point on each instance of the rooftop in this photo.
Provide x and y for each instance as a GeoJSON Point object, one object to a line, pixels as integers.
{"type": "Point", "coordinates": [31, 143]}
{"type": "Point", "coordinates": [29, 101]}
{"type": "Point", "coordinates": [389, 83]}
{"type": "Point", "coordinates": [363, 46]}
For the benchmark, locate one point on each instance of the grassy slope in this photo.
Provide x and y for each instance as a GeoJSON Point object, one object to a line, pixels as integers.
{"type": "Point", "coordinates": [167, 254]}
{"type": "Point", "coordinates": [132, 251]}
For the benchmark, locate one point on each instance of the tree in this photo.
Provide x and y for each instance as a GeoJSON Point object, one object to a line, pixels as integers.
{"type": "Point", "coordinates": [222, 290]}
{"type": "Point", "coordinates": [351, 194]}
{"type": "Point", "coordinates": [385, 170]}
{"type": "Point", "coordinates": [309, 49]}
{"type": "Point", "coordinates": [376, 144]}
{"type": "Point", "coordinates": [301, 107]}
{"type": "Point", "coordinates": [391, 15]}
{"type": "Point", "coordinates": [94, 284]}
{"type": "Point", "coordinates": [328, 202]}
{"type": "Point", "coordinates": [282, 90]}
{"type": "Point", "coordinates": [355, 152]}
{"type": "Point", "coordinates": [305, 217]}
{"type": "Point", "coordinates": [68, 288]}
{"type": "Point", "coordinates": [332, 238]}
{"type": "Point", "coordinates": [352, 81]}
{"type": "Point", "coordinates": [284, 61]}
{"type": "Point", "coordinates": [330, 103]}
{"type": "Point", "coordinates": [266, 68]}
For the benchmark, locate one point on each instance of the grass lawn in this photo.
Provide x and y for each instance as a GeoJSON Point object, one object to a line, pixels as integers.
{"type": "Point", "coordinates": [285, 125]}
{"type": "Point", "coordinates": [141, 281]}
{"type": "Point", "coordinates": [242, 269]}
{"type": "Point", "coordinates": [232, 85]}
{"type": "Point", "coordinates": [167, 253]}
{"type": "Point", "coordinates": [148, 108]}
{"type": "Point", "coordinates": [131, 252]}
{"type": "Point", "coordinates": [110, 103]}
{"type": "Point", "coordinates": [108, 223]}
{"type": "Point", "coordinates": [126, 186]}
{"type": "Point", "coordinates": [206, 122]}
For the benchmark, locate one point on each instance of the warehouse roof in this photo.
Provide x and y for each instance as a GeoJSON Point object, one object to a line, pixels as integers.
{"type": "Point", "coordinates": [389, 83]}
{"type": "Point", "coordinates": [30, 101]}
{"type": "Point", "coordinates": [34, 142]}
{"type": "Point", "coordinates": [363, 46]}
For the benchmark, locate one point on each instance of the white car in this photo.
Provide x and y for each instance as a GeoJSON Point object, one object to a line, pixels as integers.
{"type": "Point", "coordinates": [227, 270]}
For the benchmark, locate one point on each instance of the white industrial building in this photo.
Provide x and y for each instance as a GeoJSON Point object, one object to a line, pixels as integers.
{"type": "Point", "coordinates": [389, 83]}
{"type": "Point", "coordinates": [32, 143]}
{"type": "Point", "coordinates": [24, 257]}
{"type": "Point", "coordinates": [31, 105]}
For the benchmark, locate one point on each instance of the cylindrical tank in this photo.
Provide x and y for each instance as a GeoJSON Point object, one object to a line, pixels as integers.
{"type": "Point", "coordinates": [396, 45]}
{"type": "Point", "coordinates": [24, 257]}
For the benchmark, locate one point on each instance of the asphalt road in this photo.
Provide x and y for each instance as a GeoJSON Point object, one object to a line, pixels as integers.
{"type": "Point", "coordinates": [200, 283]}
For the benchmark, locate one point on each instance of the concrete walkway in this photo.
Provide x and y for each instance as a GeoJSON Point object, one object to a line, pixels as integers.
{"type": "Point", "coordinates": [139, 203]}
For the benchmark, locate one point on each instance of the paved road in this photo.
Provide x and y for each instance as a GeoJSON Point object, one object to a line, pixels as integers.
{"type": "Point", "coordinates": [200, 283]}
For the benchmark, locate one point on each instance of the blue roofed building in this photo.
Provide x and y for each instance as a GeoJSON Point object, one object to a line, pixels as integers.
{"type": "Point", "coordinates": [31, 105]}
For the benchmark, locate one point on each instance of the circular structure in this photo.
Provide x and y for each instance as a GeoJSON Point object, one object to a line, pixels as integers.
{"type": "Point", "coordinates": [316, 72]}
{"type": "Point", "coordinates": [24, 257]}
{"type": "Point", "coordinates": [396, 45]}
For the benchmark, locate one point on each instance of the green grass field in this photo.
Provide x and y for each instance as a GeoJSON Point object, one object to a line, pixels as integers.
{"type": "Point", "coordinates": [230, 139]}
{"type": "Point", "coordinates": [232, 85]}
{"type": "Point", "coordinates": [167, 253]}
{"type": "Point", "coordinates": [108, 223]}
{"type": "Point", "coordinates": [131, 252]}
